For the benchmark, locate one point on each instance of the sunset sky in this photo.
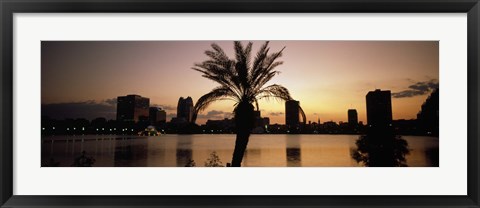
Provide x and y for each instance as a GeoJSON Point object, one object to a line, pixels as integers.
{"type": "Point", "coordinates": [83, 79]}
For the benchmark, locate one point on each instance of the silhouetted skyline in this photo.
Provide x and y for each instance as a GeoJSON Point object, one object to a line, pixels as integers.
{"type": "Point", "coordinates": [327, 77]}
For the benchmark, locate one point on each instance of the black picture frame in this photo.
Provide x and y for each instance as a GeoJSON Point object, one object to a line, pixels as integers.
{"type": "Point", "coordinates": [9, 7]}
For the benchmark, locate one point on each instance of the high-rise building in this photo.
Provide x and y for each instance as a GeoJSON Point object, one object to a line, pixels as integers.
{"type": "Point", "coordinates": [185, 109]}
{"type": "Point", "coordinates": [261, 121]}
{"type": "Point", "coordinates": [266, 121]}
{"type": "Point", "coordinates": [352, 117]}
{"type": "Point", "coordinates": [379, 108]}
{"type": "Point", "coordinates": [157, 115]}
{"type": "Point", "coordinates": [292, 113]}
{"type": "Point", "coordinates": [132, 108]}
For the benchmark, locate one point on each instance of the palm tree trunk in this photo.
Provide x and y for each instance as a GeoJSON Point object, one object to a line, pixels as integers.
{"type": "Point", "coordinates": [240, 146]}
{"type": "Point", "coordinates": [244, 122]}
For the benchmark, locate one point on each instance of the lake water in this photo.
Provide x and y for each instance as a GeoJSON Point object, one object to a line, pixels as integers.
{"type": "Point", "coordinates": [262, 151]}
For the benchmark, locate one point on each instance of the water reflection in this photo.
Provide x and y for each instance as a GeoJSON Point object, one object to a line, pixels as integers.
{"type": "Point", "coordinates": [263, 151]}
{"type": "Point", "coordinates": [433, 156]}
{"type": "Point", "coordinates": [130, 152]}
{"type": "Point", "coordinates": [381, 149]}
{"type": "Point", "coordinates": [51, 163]}
{"type": "Point", "coordinates": [294, 153]}
{"type": "Point", "coordinates": [184, 152]}
{"type": "Point", "coordinates": [84, 160]}
{"type": "Point", "coordinates": [250, 154]}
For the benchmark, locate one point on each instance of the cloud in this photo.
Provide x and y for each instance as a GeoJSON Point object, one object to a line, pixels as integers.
{"type": "Point", "coordinates": [112, 101]}
{"type": "Point", "coordinates": [276, 113]}
{"type": "Point", "coordinates": [419, 88]}
{"type": "Point", "coordinates": [228, 115]}
{"type": "Point", "coordinates": [86, 109]}
{"type": "Point", "coordinates": [164, 107]}
{"type": "Point", "coordinates": [215, 115]}
{"type": "Point", "coordinates": [208, 117]}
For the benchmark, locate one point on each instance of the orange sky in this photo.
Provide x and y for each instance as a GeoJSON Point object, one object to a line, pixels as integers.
{"type": "Point", "coordinates": [327, 77]}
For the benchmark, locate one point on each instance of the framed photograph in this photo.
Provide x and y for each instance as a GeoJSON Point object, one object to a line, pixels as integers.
{"type": "Point", "coordinates": [239, 104]}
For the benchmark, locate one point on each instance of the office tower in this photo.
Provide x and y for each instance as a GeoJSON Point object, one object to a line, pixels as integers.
{"type": "Point", "coordinates": [258, 119]}
{"type": "Point", "coordinates": [261, 121]}
{"type": "Point", "coordinates": [266, 121]}
{"type": "Point", "coordinates": [292, 112]}
{"type": "Point", "coordinates": [185, 109]}
{"type": "Point", "coordinates": [352, 117]}
{"type": "Point", "coordinates": [379, 108]}
{"type": "Point", "coordinates": [157, 115]}
{"type": "Point", "coordinates": [132, 108]}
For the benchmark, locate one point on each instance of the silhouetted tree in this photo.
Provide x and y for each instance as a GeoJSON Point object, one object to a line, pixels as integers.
{"type": "Point", "coordinates": [83, 160]}
{"type": "Point", "coordinates": [428, 117]}
{"type": "Point", "coordinates": [242, 81]}
{"type": "Point", "coordinates": [381, 149]}
{"type": "Point", "coordinates": [213, 160]}
{"type": "Point", "coordinates": [191, 163]}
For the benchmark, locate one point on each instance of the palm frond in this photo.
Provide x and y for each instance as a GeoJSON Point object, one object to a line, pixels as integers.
{"type": "Point", "coordinates": [219, 69]}
{"type": "Point", "coordinates": [261, 55]}
{"type": "Point", "coordinates": [265, 72]}
{"type": "Point", "coordinates": [256, 104]}
{"type": "Point", "coordinates": [242, 65]}
{"type": "Point", "coordinates": [219, 51]}
{"type": "Point", "coordinates": [221, 76]}
{"type": "Point", "coordinates": [274, 91]}
{"type": "Point", "coordinates": [219, 93]}
{"type": "Point", "coordinates": [240, 79]}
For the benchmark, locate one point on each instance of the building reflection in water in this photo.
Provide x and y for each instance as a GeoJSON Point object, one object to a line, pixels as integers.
{"type": "Point", "coordinates": [294, 153]}
{"type": "Point", "coordinates": [250, 155]}
{"type": "Point", "coordinates": [184, 152]}
{"type": "Point", "coordinates": [130, 152]}
{"type": "Point", "coordinates": [263, 151]}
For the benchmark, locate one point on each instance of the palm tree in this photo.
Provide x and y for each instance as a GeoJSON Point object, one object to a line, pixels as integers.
{"type": "Point", "coordinates": [242, 81]}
